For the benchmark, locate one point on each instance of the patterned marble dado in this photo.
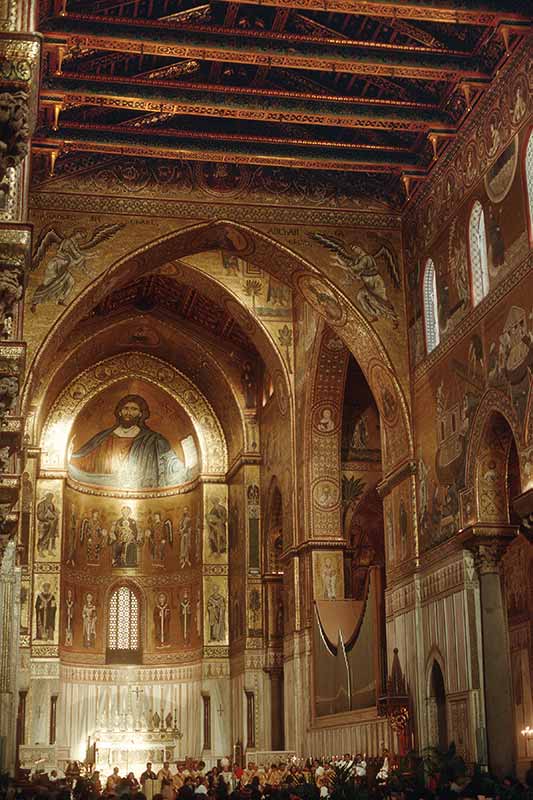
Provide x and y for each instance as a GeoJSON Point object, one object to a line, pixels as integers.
{"type": "Point", "coordinates": [429, 585]}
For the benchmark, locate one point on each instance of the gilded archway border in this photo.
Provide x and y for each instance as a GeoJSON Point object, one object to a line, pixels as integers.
{"type": "Point", "coordinates": [184, 339]}
{"type": "Point", "coordinates": [323, 439]}
{"type": "Point", "coordinates": [99, 376]}
{"type": "Point", "coordinates": [357, 333]}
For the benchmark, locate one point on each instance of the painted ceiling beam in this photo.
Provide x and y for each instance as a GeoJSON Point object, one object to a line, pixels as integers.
{"type": "Point", "coordinates": [467, 12]}
{"type": "Point", "coordinates": [260, 48]}
{"type": "Point", "coordinates": [195, 146]}
{"type": "Point", "coordinates": [264, 105]}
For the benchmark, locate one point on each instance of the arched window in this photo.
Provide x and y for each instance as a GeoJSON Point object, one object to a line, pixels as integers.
{"type": "Point", "coordinates": [124, 622]}
{"type": "Point", "coordinates": [431, 307]}
{"type": "Point", "coordinates": [529, 182]}
{"type": "Point", "coordinates": [479, 265]}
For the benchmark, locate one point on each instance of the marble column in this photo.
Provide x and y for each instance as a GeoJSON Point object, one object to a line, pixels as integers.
{"type": "Point", "coordinates": [9, 622]}
{"type": "Point", "coordinates": [277, 707]}
{"type": "Point", "coordinates": [488, 546]}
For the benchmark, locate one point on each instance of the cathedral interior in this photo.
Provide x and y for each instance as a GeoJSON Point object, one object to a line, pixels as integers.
{"type": "Point", "coordinates": [266, 404]}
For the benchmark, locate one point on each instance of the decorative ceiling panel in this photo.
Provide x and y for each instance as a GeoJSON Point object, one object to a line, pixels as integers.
{"type": "Point", "coordinates": [313, 85]}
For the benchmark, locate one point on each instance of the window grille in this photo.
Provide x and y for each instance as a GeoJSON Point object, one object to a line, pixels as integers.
{"type": "Point", "coordinates": [478, 254]}
{"type": "Point", "coordinates": [124, 622]}
{"type": "Point", "coordinates": [431, 313]}
{"type": "Point", "coordinates": [529, 180]}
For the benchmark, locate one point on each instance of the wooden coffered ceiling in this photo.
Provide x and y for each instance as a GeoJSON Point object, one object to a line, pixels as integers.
{"type": "Point", "coordinates": [169, 298]}
{"type": "Point", "coordinates": [373, 89]}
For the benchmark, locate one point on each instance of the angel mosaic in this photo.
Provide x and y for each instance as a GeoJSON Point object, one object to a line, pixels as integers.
{"type": "Point", "coordinates": [71, 253]}
{"type": "Point", "coordinates": [360, 265]}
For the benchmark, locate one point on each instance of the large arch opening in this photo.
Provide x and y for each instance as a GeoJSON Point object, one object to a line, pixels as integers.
{"type": "Point", "coordinates": [437, 708]}
{"type": "Point", "coordinates": [350, 665]}
{"type": "Point", "coordinates": [136, 448]}
{"type": "Point", "coordinates": [219, 576]}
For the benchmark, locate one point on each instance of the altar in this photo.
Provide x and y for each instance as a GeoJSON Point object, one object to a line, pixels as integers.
{"type": "Point", "coordinates": [131, 750]}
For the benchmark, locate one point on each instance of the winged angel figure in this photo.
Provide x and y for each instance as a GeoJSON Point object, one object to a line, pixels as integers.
{"type": "Point", "coordinates": [71, 252]}
{"type": "Point", "coordinates": [357, 263]}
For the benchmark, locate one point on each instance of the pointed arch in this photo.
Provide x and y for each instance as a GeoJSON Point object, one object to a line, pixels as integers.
{"type": "Point", "coordinates": [434, 656]}
{"type": "Point", "coordinates": [274, 540]}
{"type": "Point", "coordinates": [493, 401]}
{"type": "Point", "coordinates": [495, 431]}
{"type": "Point", "coordinates": [357, 333]}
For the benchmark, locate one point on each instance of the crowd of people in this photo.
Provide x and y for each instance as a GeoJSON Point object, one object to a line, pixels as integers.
{"type": "Point", "coordinates": [339, 778]}
{"type": "Point", "coordinates": [226, 779]}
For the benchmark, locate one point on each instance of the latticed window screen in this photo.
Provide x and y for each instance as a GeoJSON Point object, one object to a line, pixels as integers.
{"type": "Point", "coordinates": [431, 315]}
{"type": "Point", "coordinates": [478, 254]}
{"type": "Point", "coordinates": [529, 179]}
{"type": "Point", "coordinates": [123, 620]}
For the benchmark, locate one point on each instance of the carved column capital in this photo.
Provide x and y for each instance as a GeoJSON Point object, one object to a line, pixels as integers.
{"type": "Point", "coordinates": [488, 543]}
{"type": "Point", "coordinates": [20, 54]}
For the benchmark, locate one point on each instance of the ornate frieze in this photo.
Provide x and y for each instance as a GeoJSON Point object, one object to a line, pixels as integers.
{"type": "Point", "coordinates": [400, 600]}
{"type": "Point", "coordinates": [447, 579]}
{"type": "Point", "coordinates": [216, 669]}
{"type": "Point", "coordinates": [212, 210]}
{"type": "Point", "coordinates": [45, 651]}
{"type": "Point", "coordinates": [122, 676]}
{"type": "Point", "coordinates": [44, 669]}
